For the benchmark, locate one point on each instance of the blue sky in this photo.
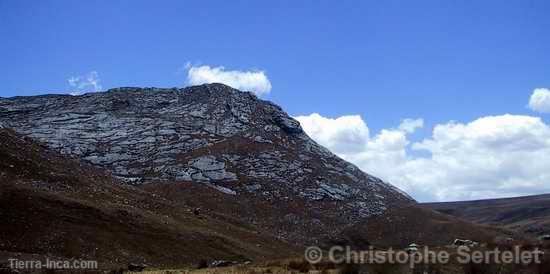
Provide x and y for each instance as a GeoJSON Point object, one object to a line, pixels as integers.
{"type": "Point", "coordinates": [382, 60]}
{"type": "Point", "coordinates": [440, 60]}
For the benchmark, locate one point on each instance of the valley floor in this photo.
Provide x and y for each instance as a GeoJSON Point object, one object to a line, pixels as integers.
{"type": "Point", "coordinates": [295, 266]}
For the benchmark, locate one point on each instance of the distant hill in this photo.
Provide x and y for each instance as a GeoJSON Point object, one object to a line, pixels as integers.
{"type": "Point", "coordinates": [529, 214]}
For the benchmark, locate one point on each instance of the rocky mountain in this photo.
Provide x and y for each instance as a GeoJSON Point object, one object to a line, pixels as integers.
{"type": "Point", "coordinates": [212, 135]}
{"type": "Point", "coordinates": [528, 214]}
{"type": "Point", "coordinates": [229, 153]}
{"type": "Point", "coordinates": [60, 208]}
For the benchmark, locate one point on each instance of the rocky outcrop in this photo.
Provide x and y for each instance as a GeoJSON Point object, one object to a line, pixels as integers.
{"type": "Point", "coordinates": [212, 134]}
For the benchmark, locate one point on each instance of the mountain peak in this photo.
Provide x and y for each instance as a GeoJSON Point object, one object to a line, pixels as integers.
{"type": "Point", "coordinates": [211, 135]}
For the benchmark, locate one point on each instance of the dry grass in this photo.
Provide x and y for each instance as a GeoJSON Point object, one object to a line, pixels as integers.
{"type": "Point", "coordinates": [299, 266]}
{"type": "Point", "coordinates": [239, 270]}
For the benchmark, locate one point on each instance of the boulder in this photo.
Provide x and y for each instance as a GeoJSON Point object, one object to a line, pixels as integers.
{"type": "Point", "coordinates": [222, 263]}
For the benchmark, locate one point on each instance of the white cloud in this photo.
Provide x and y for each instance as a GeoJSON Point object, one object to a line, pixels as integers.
{"type": "Point", "coordinates": [411, 125]}
{"type": "Point", "coordinates": [494, 156]}
{"type": "Point", "coordinates": [343, 135]}
{"type": "Point", "coordinates": [540, 100]}
{"type": "Point", "coordinates": [89, 82]}
{"type": "Point", "coordinates": [254, 81]}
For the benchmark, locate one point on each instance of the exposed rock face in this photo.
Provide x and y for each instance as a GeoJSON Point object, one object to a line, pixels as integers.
{"type": "Point", "coordinates": [55, 207]}
{"type": "Point", "coordinates": [209, 134]}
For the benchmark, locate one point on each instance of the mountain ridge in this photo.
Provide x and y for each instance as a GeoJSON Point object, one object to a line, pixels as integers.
{"type": "Point", "coordinates": [526, 214]}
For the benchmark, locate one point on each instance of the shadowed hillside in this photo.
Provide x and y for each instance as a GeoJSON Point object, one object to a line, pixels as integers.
{"type": "Point", "coordinates": [64, 208]}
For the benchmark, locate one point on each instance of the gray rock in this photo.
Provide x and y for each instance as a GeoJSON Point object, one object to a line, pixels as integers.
{"type": "Point", "coordinates": [224, 189]}
{"type": "Point", "coordinates": [253, 188]}
{"type": "Point", "coordinates": [222, 263]}
{"type": "Point", "coordinates": [207, 163]}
